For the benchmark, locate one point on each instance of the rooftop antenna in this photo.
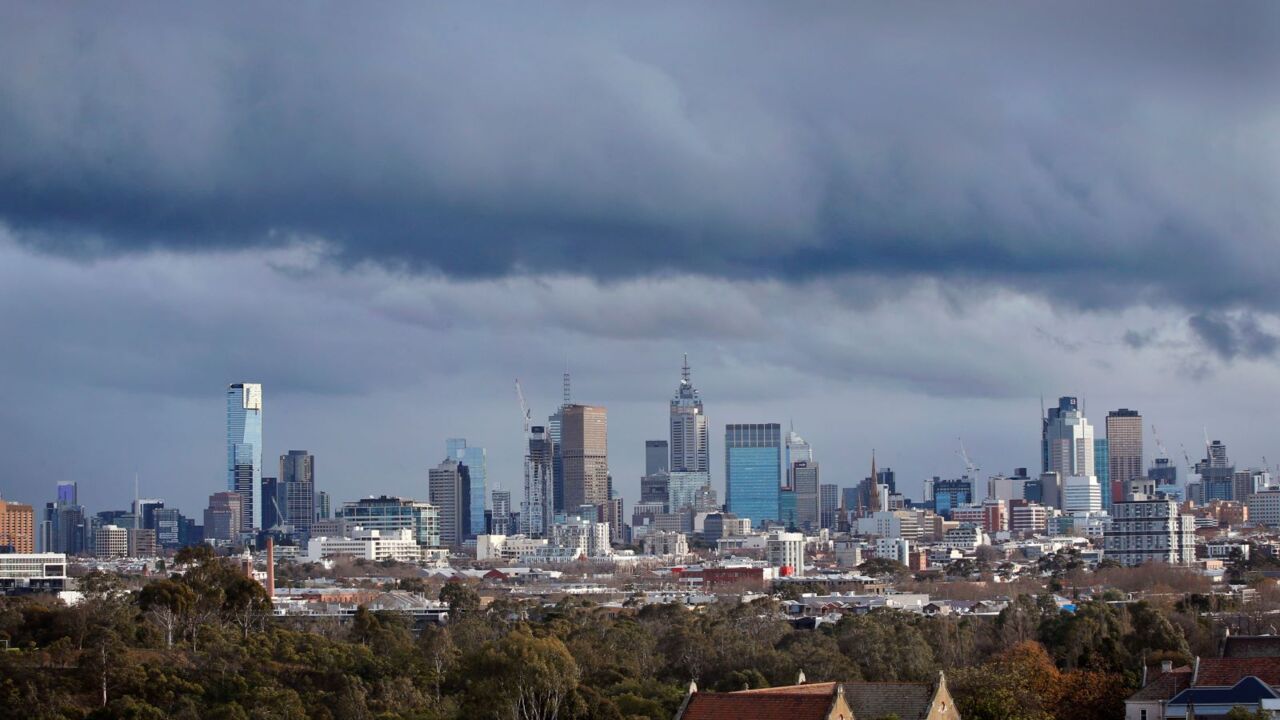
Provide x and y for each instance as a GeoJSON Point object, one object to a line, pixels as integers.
{"type": "Point", "coordinates": [566, 387]}
{"type": "Point", "coordinates": [684, 371]}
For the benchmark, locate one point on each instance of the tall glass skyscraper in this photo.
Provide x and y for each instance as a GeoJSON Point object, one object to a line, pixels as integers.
{"type": "Point", "coordinates": [753, 470]}
{"type": "Point", "coordinates": [474, 458]}
{"type": "Point", "coordinates": [244, 450]}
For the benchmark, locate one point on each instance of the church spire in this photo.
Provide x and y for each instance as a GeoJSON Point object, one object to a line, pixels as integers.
{"type": "Point", "coordinates": [875, 484]}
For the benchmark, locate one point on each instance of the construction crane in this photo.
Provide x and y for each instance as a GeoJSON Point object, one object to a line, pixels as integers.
{"type": "Point", "coordinates": [969, 467]}
{"type": "Point", "coordinates": [1191, 468]}
{"type": "Point", "coordinates": [525, 413]}
{"type": "Point", "coordinates": [1164, 453]}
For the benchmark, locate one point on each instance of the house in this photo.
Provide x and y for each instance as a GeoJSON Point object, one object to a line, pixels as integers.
{"type": "Point", "coordinates": [1149, 702]}
{"type": "Point", "coordinates": [1212, 686]}
{"type": "Point", "coordinates": [858, 700]}
{"type": "Point", "coordinates": [827, 704]}
{"type": "Point", "coordinates": [1207, 702]}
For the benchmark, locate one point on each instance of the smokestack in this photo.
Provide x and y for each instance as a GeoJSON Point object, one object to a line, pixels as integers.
{"type": "Point", "coordinates": [271, 568]}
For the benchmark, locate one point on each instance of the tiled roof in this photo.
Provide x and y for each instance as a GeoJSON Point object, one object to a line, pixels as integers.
{"type": "Point", "coordinates": [1246, 692]}
{"type": "Point", "coordinates": [753, 706]}
{"type": "Point", "coordinates": [1225, 672]}
{"type": "Point", "coordinates": [1164, 686]}
{"type": "Point", "coordinates": [907, 700]}
{"type": "Point", "coordinates": [1251, 646]}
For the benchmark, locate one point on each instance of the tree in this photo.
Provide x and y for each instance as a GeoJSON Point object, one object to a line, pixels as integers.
{"type": "Point", "coordinates": [461, 599]}
{"type": "Point", "coordinates": [167, 602]}
{"type": "Point", "coordinates": [522, 677]}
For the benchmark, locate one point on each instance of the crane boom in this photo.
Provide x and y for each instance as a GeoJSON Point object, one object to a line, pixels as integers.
{"type": "Point", "coordinates": [524, 407]}
{"type": "Point", "coordinates": [1164, 453]}
{"type": "Point", "coordinates": [969, 467]}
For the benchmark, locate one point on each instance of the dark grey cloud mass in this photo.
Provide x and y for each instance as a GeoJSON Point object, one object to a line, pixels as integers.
{"type": "Point", "coordinates": [1106, 154]}
{"type": "Point", "coordinates": [890, 223]}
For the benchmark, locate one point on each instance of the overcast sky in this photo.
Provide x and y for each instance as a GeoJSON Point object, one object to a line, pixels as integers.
{"type": "Point", "coordinates": [893, 225]}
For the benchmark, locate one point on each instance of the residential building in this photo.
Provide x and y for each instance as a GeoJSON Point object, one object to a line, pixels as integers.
{"type": "Point", "coordinates": [657, 456]}
{"type": "Point", "coordinates": [890, 523]}
{"type": "Point", "coordinates": [966, 537]}
{"type": "Point", "coordinates": [500, 523]}
{"type": "Point", "coordinates": [1264, 507]}
{"type": "Point", "coordinates": [508, 547]}
{"type": "Point", "coordinates": [611, 513]}
{"type": "Point", "coordinates": [449, 491]}
{"type": "Point", "coordinates": [666, 544]}
{"type": "Point", "coordinates": [477, 470]}
{"type": "Point", "coordinates": [785, 550]}
{"type": "Point", "coordinates": [538, 507]}
{"type": "Point", "coordinates": [753, 457]}
{"type": "Point", "coordinates": [577, 537]}
{"type": "Point", "coordinates": [689, 432]}
{"type": "Point", "coordinates": [389, 514]}
{"type": "Point", "coordinates": [1102, 466]}
{"type": "Point", "coordinates": [1143, 531]}
{"type": "Point", "coordinates": [827, 701]}
{"type": "Point", "coordinates": [142, 542]}
{"type": "Point", "coordinates": [324, 506]}
{"type": "Point", "coordinates": [894, 548]}
{"type": "Point", "coordinates": [244, 450]}
{"type": "Point", "coordinates": [111, 541]}
{"type": "Point", "coordinates": [17, 527]}
{"type": "Point", "coordinates": [585, 455]}
{"type": "Point", "coordinates": [1124, 446]}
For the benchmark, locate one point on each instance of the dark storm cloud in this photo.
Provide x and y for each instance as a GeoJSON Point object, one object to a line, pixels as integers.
{"type": "Point", "coordinates": [1103, 155]}
{"type": "Point", "coordinates": [1230, 337]}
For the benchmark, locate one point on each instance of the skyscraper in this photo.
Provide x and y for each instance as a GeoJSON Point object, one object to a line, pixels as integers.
{"type": "Point", "coordinates": [17, 527]}
{"type": "Point", "coordinates": [244, 450]}
{"type": "Point", "coordinates": [1067, 440]}
{"type": "Point", "coordinates": [689, 438]}
{"type": "Point", "coordinates": [828, 504]}
{"type": "Point", "coordinates": [538, 508]}
{"type": "Point", "coordinates": [273, 504]}
{"type": "Point", "coordinates": [501, 516]}
{"type": "Point", "coordinates": [753, 477]}
{"type": "Point", "coordinates": [478, 473]}
{"type": "Point", "coordinates": [222, 517]}
{"type": "Point", "coordinates": [449, 492]}
{"type": "Point", "coordinates": [1124, 451]}
{"type": "Point", "coordinates": [298, 488]}
{"type": "Point", "coordinates": [585, 455]}
{"type": "Point", "coordinates": [554, 425]}
{"type": "Point", "coordinates": [796, 450]}
{"type": "Point", "coordinates": [324, 506]}
{"type": "Point", "coordinates": [656, 456]}
{"type": "Point", "coordinates": [804, 483]}
{"type": "Point", "coordinates": [1110, 491]}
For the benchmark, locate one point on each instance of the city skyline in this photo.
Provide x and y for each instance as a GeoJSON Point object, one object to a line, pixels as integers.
{"type": "Point", "coordinates": [883, 231]}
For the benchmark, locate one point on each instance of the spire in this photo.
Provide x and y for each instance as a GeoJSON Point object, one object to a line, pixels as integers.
{"type": "Point", "coordinates": [566, 387]}
{"type": "Point", "coordinates": [875, 484]}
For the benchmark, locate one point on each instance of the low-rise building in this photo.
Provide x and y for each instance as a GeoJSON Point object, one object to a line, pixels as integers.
{"type": "Point", "coordinates": [507, 547]}
{"type": "Point", "coordinates": [33, 572]}
{"type": "Point", "coordinates": [786, 550]}
{"type": "Point", "coordinates": [667, 544]}
{"type": "Point", "coordinates": [398, 545]}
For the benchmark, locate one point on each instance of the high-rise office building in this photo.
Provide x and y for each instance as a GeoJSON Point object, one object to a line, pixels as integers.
{"type": "Point", "coordinates": [1081, 493]}
{"type": "Point", "coordinates": [951, 494]}
{"type": "Point", "coordinates": [244, 450]}
{"type": "Point", "coordinates": [689, 432]}
{"type": "Point", "coordinates": [1067, 440]}
{"type": "Point", "coordinates": [555, 424]}
{"type": "Point", "coordinates": [1217, 474]}
{"type": "Point", "coordinates": [1103, 468]}
{"type": "Point", "coordinates": [655, 487]}
{"type": "Point", "coordinates": [449, 490]}
{"type": "Point", "coordinates": [64, 527]}
{"type": "Point", "coordinates": [683, 489]}
{"type": "Point", "coordinates": [144, 512]}
{"type": "Point", "coordinates": [298, 489]}
{"type": "Point", "coordinates": [273, 504]}
{"type": "Point", "coordinates": [585, 455]}
{"type": "Point", "coordinates": [828, 504]}
{"type": "Point", "coordinates": [389, 515]}
{"type": "Point", "coordinates": [324, 505]}
{"type": "Point", "coordinates": [478, 473]}
{"type": "Point", "coordinates": [657, 457]}
{"type": "Point", "coordinates": [68, 492]}
{"type": "Point", "coordinates": [804, 483]}
{"type": "Point", "coordinates": [223, 516]}
{"type": "Point", "coordinates": [1124, 448]}
{"type": "Point", "coordinates": [794, 451]}
{"type": "Point", "coordinates": [17, 527]}
{"type": "Point", "coordinates": [753, 470]}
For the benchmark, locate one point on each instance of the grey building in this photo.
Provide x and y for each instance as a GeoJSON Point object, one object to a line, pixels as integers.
{"type": "Point", "coordinates": [689, 432]}
{"type": "Point", "coordinates": [656, 456]}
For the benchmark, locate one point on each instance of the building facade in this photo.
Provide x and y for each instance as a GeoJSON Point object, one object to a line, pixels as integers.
{"type": "Point", "coordinates": [296, 493]}
{"type": "Point", "coordinates": [657, 456]}
{"type": "Point", "coordinates": [538, 507]}
{"type": "Point", "coordinates": [1067, 440]}
{"type": "Point", "coordinates": [476, 460]}
{"type": "Point", "coordinates": [17, 527]}
{"type": "Point", "coordinates": [753, 481]}
{"type": "Point", "coordinates": [244, 450]}
{"type": "Point", "coordinates": [689, 431]}
{"type": "Point", "coordinates": [389, 514]}
{"type": "Point", "coordinates": [448, 491]}
{"type": "Point", "coordinates": [1143, 531]}
{"type": "Point", "coordinates": [585, 455]}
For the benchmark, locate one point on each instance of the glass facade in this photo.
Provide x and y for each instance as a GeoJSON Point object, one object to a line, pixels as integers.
{"type": "Point", "coordinates": [244, 450]}
{"type": "Point", "coordinates": [391, 513]}
{"type": "Point", "coordinates": [474, 459]}
{"type": "Point", "coordinates": [1102, 466]}
{"type": "Point", "coordinates": [753, 471]}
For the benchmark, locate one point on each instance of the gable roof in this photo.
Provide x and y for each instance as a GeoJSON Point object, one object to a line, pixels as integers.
{"type": "Point", "coordinates": [907, 700]}
{"type": "Point", "coordinates": [1226, 672]}
{"type": "Point", "coordinates": [1248, 691]}
{"type": "Point", "coordinates": [1164, 686]}
{"type": "Point", "coordinates": [752, 706]}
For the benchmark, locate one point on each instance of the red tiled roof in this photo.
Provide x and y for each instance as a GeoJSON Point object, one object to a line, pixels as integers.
{"type": "Point", "coordinates": [758, 706]}
{"type": "Point", "coordinates": [907, 700]}
{"type": "Point", "coordinates": [1226, 672]}
{"type": "Point", "coordinates": [823, 688]}
{"type": "Point", "coordinates": [1164, 686]}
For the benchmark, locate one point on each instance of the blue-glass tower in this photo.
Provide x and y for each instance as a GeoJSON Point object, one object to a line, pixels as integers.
{"type": "Point", "coordinates": [244, 450]}
{"type": "Point", "coordinates": [474, 459]}
{"type": "Point", "coordinates": [753, 470]}
{"type": "Point", "coordinates": [1102, 469]}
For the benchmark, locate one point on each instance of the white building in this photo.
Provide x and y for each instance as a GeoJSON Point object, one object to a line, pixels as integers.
{"type": "Point", "coordinates": [507, 547]}
{"type": "Point", "coordinates": [111, 541]}
{"type": "Point", "coordinates": [1081, 493]}
{"type": "Point", "coordinates": [895, 549]}
{"type": "Point", "coordinates": [666, 544]}
{"type": "Point", "coordinates": [1143, 531]}
{"type": "Point", "coordinates": [965, 537]}
{"type": "Point", "coordinates": [1068, 439]}
{"type": "Point", "coordinates": [43, 571]}
{"type": "Point", "coordinates": [1028, 518]}
{"type": "Point", "coordinates": [580, 537]}
{"type": "Point", "coordinates": [784, 549]}
{"type": "Point", "coordinates": [849, 552]}
{"type": "Point", "coordinates": [375, 545]}
{"type": "Point", "coordinates": [891, 524]}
